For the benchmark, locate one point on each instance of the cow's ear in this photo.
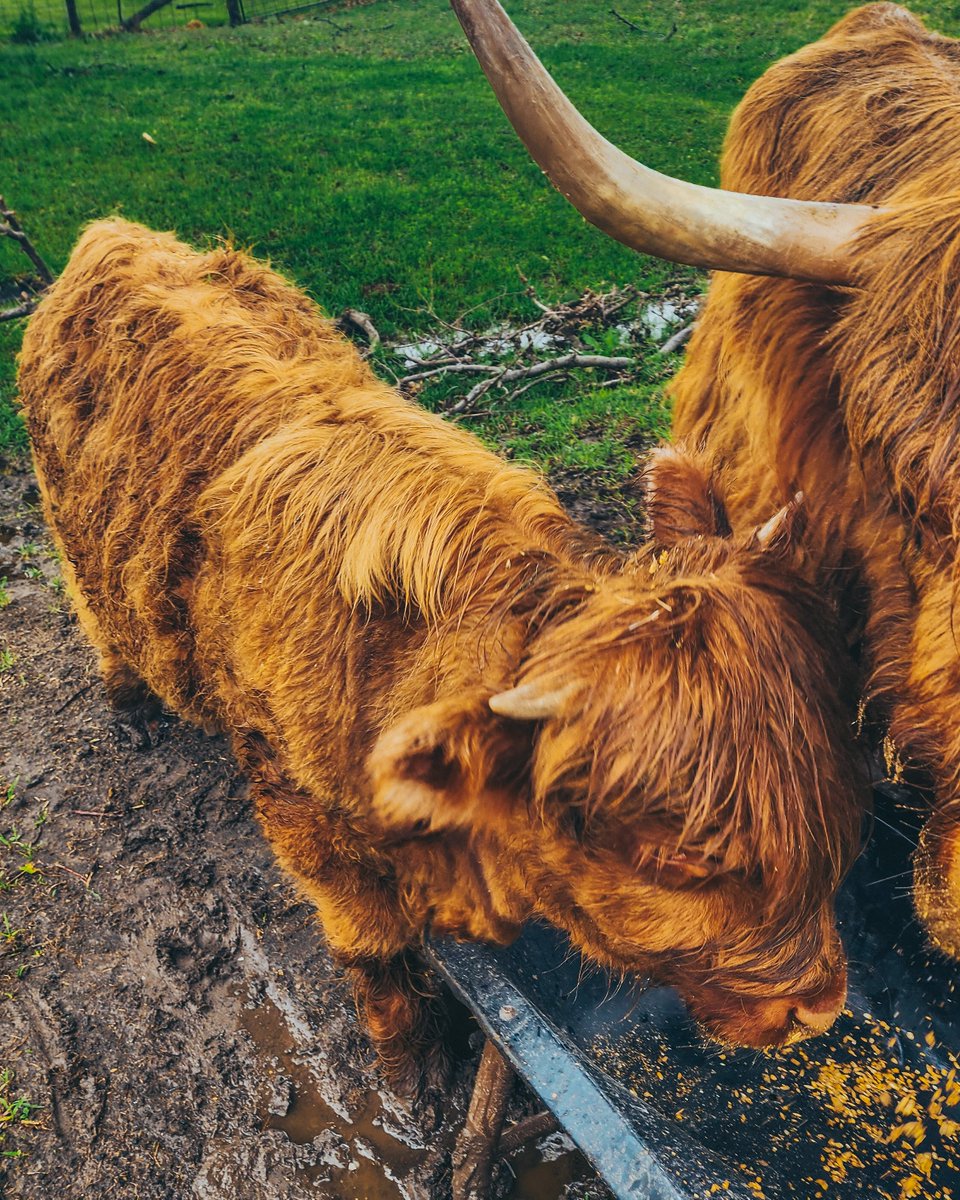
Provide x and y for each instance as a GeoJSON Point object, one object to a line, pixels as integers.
{"type": "Point", "coordinates": [450, 764]}
{"type": "Point", "coordinates": [680, 499]}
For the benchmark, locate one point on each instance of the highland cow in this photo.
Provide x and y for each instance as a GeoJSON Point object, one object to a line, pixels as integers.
{"type": "Point", "coordinates": [457, 709]}
{"type": "Point", "coordinates": [841, 378]}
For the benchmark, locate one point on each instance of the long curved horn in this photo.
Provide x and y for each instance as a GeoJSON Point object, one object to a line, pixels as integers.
{"type": "Point", "coordinates": [650, 212]}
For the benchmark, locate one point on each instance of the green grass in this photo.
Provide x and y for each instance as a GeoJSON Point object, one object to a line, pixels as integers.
{"type": "Point", "coordinates": [368, 159]}
{"type": "Point", "coordinates": [15, 1110]}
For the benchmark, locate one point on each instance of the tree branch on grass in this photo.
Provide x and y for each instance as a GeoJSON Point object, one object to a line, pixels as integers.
{"type": "Point", "coordinates": [565, 362]}
{"type": "Point", "coordinates": [630, 24]}
{"type": "Point", "coordinates": [567, 327]}
{"type": "Point", "coordinates": [676, 340]}
{"type": "Point", "coordinates": [354, 318]}
{"type": "Point", "coordinates": [11, 228]}
{"type": "Point", "coordinates": [131, 24]}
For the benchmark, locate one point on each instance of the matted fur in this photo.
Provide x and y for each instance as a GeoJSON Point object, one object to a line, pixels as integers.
{"type": "Point", "coordinates": [854, 396]}
{"type": "Point", "coordinates": [278, 545]}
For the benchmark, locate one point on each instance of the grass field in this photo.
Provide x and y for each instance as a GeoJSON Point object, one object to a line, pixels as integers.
{"type": "Point", "coordinates": [362, 151]}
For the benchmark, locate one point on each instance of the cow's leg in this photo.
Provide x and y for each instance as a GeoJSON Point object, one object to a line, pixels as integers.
{"type": "Point", "coordinates": [137, 710]}
{"type": "Point", "coordinates": [404, 1015]}
{"type": "Point", "coordinates": [937, 879]}
{"type": "Point", "coordinates": [135, 706]}
{"type": "Point", "coordinates": [368, 934]}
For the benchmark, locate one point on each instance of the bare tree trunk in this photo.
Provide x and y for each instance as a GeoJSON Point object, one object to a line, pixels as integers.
{"type": "Point", "coordinates": [74, 18]}
{"type": "Point", "coordinates": [235, 9]}
{"type": "Point", "coordinates": [134, 22]}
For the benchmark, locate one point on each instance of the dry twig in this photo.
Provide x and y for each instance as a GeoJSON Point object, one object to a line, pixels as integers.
{"type": "Point", "coordinates": [630, 24]}
{"type": "Point", "coordinates": [565, 327]}
{"type": "Point", "coordinates": [353, 317]}
{"type": "Point", "coordinates": [10, 227]}
{"type": "Point", "coordinates": [678, 339]}
{"type": "Point", "coordinates": [565, 362]}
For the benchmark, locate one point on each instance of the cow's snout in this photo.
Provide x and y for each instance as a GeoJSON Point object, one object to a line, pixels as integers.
{"type": "Point", "coordinates": [786, 1019]}
{"type": "Point", "coordinates": [760, 1021]}
{"type": "Point", "coordinates": [818, 1013]}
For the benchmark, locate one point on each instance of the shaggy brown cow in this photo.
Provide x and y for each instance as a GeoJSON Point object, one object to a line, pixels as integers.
{"type": "Point", "coordinates": [852, 395]}
{"type": "Point", "coordinates": [456, 708]}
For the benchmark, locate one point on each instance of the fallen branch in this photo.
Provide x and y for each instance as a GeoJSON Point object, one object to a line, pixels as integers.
{"type": "Point", "coordinates": [449, 367]}
{"type": "Point", "coordinates": [521, 355]}
{"type": "Point", "coordinates": [676, 340]}
{"type": "Point", "coordinates": [353, 317]}
{"type": "Point", "coordinates": [630, 24]}
{"type": "Point", "coordinates": [564, 362]}
{"type": "Point", "coordinates": [21, 310]}
{"type": "Point", "coordinates": [10, 227]}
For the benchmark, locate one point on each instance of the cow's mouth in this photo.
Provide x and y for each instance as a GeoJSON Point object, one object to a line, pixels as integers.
{"type": "Point", "coordinates": [761, 1022]}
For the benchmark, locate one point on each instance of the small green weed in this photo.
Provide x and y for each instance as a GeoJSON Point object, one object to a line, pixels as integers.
{"type": "Point", "coordinates": [14, 844]}
{"type": "Point", "coordinates": [8, 792]}
{"type": "Point", "coordinates": [5, 597]}
{"type": "Point", "coordinates": [14, 1110]}
{"type": "Point", "coordinates": [7, 659]}
{"type": "Point", "coordinates": [8, 934]}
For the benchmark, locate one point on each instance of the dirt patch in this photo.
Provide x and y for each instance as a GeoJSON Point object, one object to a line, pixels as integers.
{"type": "Point", "coordinates": [165, 997]}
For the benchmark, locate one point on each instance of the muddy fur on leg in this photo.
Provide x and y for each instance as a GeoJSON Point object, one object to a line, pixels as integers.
{"type": "Point", "coordinates": [137, 711]}
{"type": "Point", "coordinates": [937, 880]}
{"type": "Point", "coordinates": [406, 1019]}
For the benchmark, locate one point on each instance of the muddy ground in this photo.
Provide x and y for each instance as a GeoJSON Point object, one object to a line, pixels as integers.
{"type": "Point", "coordinates": [165, 996]}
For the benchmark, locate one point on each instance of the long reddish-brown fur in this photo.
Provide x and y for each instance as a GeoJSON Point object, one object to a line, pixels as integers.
{"type": "Point", "coordinates": [257, 531]}
{"type": "Point", "coordinates": [853, 395]}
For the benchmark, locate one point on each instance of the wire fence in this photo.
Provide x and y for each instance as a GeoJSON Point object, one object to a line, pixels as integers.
{"type": "Point", "coordinates": [38, 20]}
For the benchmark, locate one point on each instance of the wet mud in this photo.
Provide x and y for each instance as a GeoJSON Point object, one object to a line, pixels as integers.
{"type": "Point", "coordinates": [165, 996]}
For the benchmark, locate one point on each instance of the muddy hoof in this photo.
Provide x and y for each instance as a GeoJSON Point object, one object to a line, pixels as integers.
{"type": "Point", "coordinates": [421, 1080]}
{"type": "Point", "coordinates": [139, 730]}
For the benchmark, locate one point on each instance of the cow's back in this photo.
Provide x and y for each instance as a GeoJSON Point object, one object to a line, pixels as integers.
{"type": "Point", "coordinates": [774, 385]}
{"type": "Point", "coordinates": [213, 453]}
{"type": "Point", "coordinates": [146, 371]}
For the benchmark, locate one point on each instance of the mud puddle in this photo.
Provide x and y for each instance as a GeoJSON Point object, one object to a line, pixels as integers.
{"type": "Point", "coordinates": [369, 1154]}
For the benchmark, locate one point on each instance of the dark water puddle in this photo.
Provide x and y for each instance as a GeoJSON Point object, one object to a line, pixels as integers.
{"type": "Point", "coordinates": [360, 1155]}
{"type": "Point", "coordinates": [368, 1156]}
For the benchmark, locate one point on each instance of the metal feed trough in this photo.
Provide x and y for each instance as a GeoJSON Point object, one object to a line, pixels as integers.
{"type": "Point", "coordinates": [871, 1109]}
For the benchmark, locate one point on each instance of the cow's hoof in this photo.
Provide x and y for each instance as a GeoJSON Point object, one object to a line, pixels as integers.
{"type": "Point", "coordinates": [140, 729]}
{"type": "Point", "coordinates": [420, 1079]}
{"type": "Point", "coordinates": [936, 887]}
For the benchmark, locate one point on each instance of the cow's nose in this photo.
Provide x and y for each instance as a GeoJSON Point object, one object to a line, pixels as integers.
{"type": "Point", "coordinates": [819, 1011]}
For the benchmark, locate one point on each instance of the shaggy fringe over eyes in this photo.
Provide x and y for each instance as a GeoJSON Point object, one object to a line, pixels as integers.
{"type": "Point", "coordinates": [750, 773]}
